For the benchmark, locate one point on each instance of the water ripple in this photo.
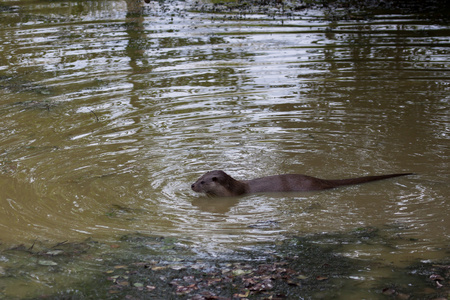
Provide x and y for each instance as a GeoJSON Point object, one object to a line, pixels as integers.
{"type": "Point", "coordinates": [108, 119]}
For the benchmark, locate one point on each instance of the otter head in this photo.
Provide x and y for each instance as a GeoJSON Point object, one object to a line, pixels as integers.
{"type": "Point", "coordinates": [217, 183]}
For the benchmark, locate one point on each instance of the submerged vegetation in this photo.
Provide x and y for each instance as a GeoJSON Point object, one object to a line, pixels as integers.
{"type": "Point", "coordinates": [141, 266]}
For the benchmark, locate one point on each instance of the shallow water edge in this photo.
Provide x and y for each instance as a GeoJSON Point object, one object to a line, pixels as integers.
{"type": "Point", "coordinates": [139, 266]}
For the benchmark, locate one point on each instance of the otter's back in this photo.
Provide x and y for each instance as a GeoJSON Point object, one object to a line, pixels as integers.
{"type": "Point", "coordinates": [287, 183]}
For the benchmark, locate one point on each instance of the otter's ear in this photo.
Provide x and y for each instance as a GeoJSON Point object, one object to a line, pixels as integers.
{"type": "Point", "coordinates": [214, 179]}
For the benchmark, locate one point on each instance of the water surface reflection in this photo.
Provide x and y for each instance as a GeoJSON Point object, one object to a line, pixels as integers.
{"type": "Point", "coordinates": [111, 109]}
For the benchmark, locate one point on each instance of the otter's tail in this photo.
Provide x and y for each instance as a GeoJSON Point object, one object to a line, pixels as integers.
{"type": "Point", "coordinates": [351, 181]}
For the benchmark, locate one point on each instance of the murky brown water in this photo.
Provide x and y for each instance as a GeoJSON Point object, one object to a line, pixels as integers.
{"type": "Point", "coordinates": [110, 111]}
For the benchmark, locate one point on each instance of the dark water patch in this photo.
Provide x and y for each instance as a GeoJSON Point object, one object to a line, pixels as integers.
{"type": "Point", "coordinates": [8, 8]}
{"type": "Point", "coordinates": [435, 10]}
{"type": "Point", "coordinates": [138, 266]}
{"type": "Point", "coordinates": [18, 84]}
{"type": "Point", "coordinates": [421, 280]}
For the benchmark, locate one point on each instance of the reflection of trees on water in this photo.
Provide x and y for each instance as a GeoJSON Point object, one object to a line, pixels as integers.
{"type": "Point", "coordinates": [171, 55]}
{"type": "Point", "coordinates": [389, 78]}
{"type": "Point", "coordinates": [378, 57]}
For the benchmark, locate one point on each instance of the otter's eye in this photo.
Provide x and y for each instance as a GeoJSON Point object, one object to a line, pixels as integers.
{"type": "Point", "coordinates": [214, 179]}
{"type": "Point", "coordinates": [202, 182]}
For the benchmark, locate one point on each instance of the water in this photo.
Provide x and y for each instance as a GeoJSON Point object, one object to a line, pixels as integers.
{"type": "Point", "coordinates": [110, 110]}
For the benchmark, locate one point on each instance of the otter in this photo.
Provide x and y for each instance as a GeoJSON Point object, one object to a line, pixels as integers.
{"type": "Point", "coordinates": [220, 184]}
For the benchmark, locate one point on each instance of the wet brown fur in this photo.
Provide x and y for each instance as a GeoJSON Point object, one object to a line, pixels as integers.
{"type": "Point", "coordinates": [218, 183]}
